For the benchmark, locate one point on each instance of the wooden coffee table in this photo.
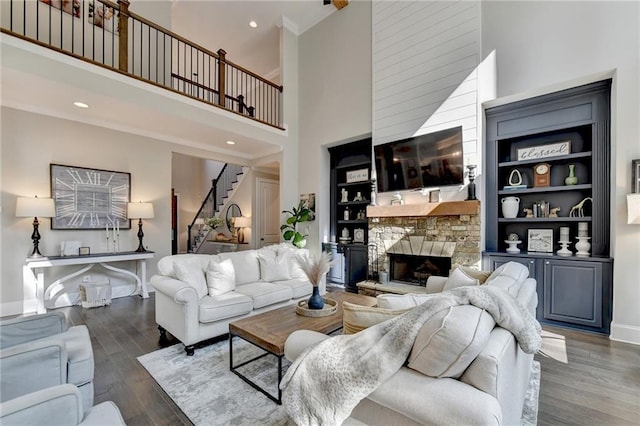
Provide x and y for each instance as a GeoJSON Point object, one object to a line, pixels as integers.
{"type": "Point", "coordinates": [270, 330]}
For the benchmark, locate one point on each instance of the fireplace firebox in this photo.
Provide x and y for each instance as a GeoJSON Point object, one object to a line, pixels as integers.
{"type": "Point", "coordinates": [415, 270]}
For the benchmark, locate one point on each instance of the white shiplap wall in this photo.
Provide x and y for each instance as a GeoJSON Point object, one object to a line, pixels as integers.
{"type": "Point", "coordinates": [425, 55]}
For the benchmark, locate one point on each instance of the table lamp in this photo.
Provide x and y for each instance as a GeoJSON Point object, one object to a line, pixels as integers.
{"type": "Point", "coordinates": [35, 207]}
{"type": "Point", "coordinates": [242, 222]}
{"type": "Point", "coordinates": [140, 211]}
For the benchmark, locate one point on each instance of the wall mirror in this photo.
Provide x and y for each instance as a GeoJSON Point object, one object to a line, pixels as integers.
{"type": "Point", "coordinates": [232, 211]}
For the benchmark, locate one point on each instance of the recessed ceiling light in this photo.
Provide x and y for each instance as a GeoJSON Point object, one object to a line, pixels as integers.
{"type": "Point", "coordinates": [253, 24]}
{"type": "Point", "coordinates": [81, 105]}
{"type": "Point", "coordinates": [231, 143]}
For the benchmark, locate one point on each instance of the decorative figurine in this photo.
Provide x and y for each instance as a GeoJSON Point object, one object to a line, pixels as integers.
{"type": "Point", "coordinates": [358, 196]}
{"type": "Point", "coordinates": [515, 178]}
{"type": "Point", "coordinates": [577, 210]}
{"type": "Point", "coordinates": [528, 212]}
{"type": "Point", "coordinates": [512, 241]}
{"type": "Point", "coordinates": [345, 196]}
{"type": "Point", "coordinates": [554, 212]}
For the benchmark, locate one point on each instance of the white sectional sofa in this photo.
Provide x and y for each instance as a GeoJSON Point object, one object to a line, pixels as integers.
{"type": "Point", "coordinates": [198, 295]}
{"type": "Point", "coordinates": [434, 387]}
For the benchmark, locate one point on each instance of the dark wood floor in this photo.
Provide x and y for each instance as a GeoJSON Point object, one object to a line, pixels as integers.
{"type": "Point", "coordinates": [586, 379]}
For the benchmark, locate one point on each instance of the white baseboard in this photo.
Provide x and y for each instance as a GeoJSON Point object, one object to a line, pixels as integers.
{"type": "Point", "coordinates": [625, 333]}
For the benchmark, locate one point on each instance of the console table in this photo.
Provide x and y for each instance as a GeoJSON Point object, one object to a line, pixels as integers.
{"type": "Point", "coordinates": [35, 268]}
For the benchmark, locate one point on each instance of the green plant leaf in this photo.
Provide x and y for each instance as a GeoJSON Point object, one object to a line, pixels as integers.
{"type": "Point", "coordinates": [288, 235]}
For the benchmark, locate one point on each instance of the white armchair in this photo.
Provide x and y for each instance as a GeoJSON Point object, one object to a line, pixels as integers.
{"type": "Point", "coordinates": [41, 351]}
{"type": "Point", "coordinates": [57, 405]}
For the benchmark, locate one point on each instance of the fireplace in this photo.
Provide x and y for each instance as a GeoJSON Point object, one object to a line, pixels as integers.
{"type": "Point", "coordinates": [412, 269]}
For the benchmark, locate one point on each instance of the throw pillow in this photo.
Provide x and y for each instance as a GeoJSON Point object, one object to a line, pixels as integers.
{"type": "Point", "coordinates": [474, 273]}
{"type": "Point", "coordinates": [221, 277]}
{"type": "Point", "coordinates": [274, 269]}
{"type": "Point", "coordinates": [450, 340]}
{"type": "Point", "coordinates": [458, 278]}
{"type": "Point", "coordinates": [401, 301]}
{"type": "Point", "coordinates": [514, 270]}
{"type": "Point", "coordinates": [190, 271]}
{"type": "Point", "coordinates": [357, 317]}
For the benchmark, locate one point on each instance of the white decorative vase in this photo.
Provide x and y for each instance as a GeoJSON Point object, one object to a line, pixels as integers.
{"type": "Point", "coordinates": [583, 246]}
{"type": "Point", "coordinates": [513, 246]}
{"type": "Point", "coordinates": [510, 207]}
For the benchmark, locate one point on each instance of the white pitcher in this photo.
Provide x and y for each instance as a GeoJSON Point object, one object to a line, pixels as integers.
{"type": "Point", "coordinates": [510, 207]}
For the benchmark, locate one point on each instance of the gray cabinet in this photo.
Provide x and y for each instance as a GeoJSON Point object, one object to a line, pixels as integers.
{"type": "Point", "coordinates": [573, 291]}
{"type": "Point", "coordinates": [578, 293]}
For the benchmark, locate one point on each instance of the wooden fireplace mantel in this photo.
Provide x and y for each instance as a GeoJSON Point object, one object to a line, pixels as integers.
{"type": "Point", "coordinates": [445, 208]}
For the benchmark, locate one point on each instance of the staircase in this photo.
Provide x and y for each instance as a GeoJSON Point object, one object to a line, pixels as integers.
{"type": "Point", "coordinates": [222, 190]}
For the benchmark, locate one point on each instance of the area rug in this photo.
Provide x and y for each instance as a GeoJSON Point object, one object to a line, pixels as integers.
{"type": "Point", "coordinates": [530, 409]}
{"type": "Point", "coordinates": [209, 394]}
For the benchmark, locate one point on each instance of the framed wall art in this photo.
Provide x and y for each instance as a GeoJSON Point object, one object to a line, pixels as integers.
{"type": "Point", "coordinates": [310, 203]}
{"type": "Point", "coordinates": [72, 7]}
{"type": "Point", "coordinates": [103, 16]}
{"type": "Point", "coordinates": [635, 176]}
{"type": "Point", "coordinates": [540, 240]}
{"type": "Point", "coordinates": [89, 198]}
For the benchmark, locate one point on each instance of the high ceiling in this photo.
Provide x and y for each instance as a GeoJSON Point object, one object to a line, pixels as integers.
{"type": "Point", "coordinates": [42, 81]}
{"type": "Point", "coordinates": [225, 25]}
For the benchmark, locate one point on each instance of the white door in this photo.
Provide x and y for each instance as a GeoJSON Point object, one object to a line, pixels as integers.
{"type": "Point", "coordinates": [268, 212]}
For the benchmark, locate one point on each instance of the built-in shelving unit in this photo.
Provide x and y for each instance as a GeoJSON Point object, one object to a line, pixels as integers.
{"type": "Point", "coordinates": [350, 196]}
{"type": "Point", "coordinates": [574, 291]}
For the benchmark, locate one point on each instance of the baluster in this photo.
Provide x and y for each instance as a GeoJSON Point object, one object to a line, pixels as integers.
{"type": "Point", "coordinates": [221, 76]}
{"type": "Point", "coordinates": [123, 32]}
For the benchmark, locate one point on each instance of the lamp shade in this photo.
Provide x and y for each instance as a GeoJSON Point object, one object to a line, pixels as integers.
{"type": "Point", "coordinates": [140, 210]}
{"type": "Point", "coordinates": [35, 207]}
{"type": "Point", "coordinates": [242, 222]}
{"type": "Point", "coordinates": [633, 209]}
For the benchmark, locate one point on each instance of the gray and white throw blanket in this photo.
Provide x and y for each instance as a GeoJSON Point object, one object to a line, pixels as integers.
{"type": "Point", "coordinates": [328, 380]}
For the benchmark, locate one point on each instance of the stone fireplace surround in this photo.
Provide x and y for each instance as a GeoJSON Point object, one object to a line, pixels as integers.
{"type": "Point", "coordinates": [449, 229]}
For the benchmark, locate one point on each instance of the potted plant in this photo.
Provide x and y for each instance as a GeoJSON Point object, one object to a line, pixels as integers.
{"type": "Point", "coordinates": [214, 222]}
{"type": "Point", "coordinates": [289, 229]}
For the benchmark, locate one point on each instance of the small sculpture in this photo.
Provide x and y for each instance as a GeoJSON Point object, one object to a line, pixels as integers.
{"type": "Point", "coordinates": [345, 233]}
{"type": "Point", "coordinates": [358, 196]}
{"type": "Point", "coordinates": [345, 196]}
{"type": "Point", "coordinates": [528, 212]}
{"type": "Point", "coordinates": [577, 210]}
{"type": "Point", "coordinates": [515, 178]}
{"type": "Point", "coordinates": [554, 212]}
{"type": "Point", "coordinates": [512, 241]}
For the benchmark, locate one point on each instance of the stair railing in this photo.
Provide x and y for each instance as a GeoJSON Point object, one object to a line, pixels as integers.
{"type": "Point", "coordinates": [212, 204]}
{"type": "Point", "coordinates": [108, 34]}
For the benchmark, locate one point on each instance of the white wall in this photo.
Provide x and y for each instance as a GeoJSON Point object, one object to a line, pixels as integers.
{"type": "Point", "coordinates": [28, 144]}
{"type": "Point", "coordinates": [425, 77]}
{"type": "Point", "coordinates": [547, 46]}
{"type": "Point", "coordinates": [335, 99]}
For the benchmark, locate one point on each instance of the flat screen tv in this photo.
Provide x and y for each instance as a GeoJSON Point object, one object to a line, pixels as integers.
{"type": "Point", "coordinates": [425, 161]}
